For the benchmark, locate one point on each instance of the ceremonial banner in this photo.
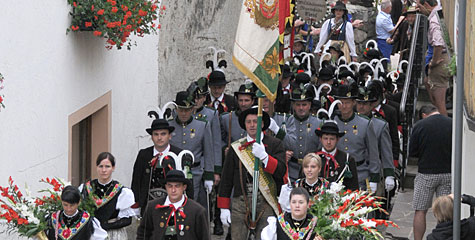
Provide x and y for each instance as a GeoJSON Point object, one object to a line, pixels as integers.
{"type": "Point", "coordinates": [257, 45]}
{"type": "Point", "coordinates": [266, 183]}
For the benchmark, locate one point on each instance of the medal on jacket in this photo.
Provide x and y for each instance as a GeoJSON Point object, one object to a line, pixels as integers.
{"type": "Point", "coordinates": [192, 134]}
{"type": "Point", "coordinates": [355, 130]}
{"type": "Point", "coordinates": [181, 227]}
{"type": "Point", "coordinates": [309, 125]}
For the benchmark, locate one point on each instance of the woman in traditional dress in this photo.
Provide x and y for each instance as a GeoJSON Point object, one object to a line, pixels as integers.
{"type": "Point", "coordinates": [71, 223]}
{"type": "Point", "coordinates": [338, 30]}
{"type": "Point", "coordinates": [312, 165]}
{"type": "Point", "coordinates": [112, 200]}
{"type": "Point", "coordinates": [296, 224]}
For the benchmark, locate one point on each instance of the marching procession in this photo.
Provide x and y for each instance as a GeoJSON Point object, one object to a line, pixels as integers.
{"type": "Point", "coordinates": [310, 145]}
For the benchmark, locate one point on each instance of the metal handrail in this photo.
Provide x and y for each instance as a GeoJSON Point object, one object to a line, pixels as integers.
{"type": "Point", "coordinates": [411, 88]}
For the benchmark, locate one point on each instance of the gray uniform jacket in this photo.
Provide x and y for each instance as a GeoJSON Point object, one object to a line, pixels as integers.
{"type": "Point", "coordinates": [195, 136]}
{"type": "Point", "coordinates": [236, 131]}
{"type": "Point", "coordinates": [301, 137]}
{"type": "Point", "coordinates": [361, 143]}
{"type": "Point", "coordinates": [381, 129]}
{"type": "Point", "coordinates": [211, 116]}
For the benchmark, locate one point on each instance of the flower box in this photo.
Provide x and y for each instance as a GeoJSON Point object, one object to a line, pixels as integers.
{"type": "Point", "coordinates": [115, 20]}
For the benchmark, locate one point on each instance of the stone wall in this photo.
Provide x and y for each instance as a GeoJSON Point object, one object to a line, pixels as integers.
{"type": "Point", "coordinates": [368, 30]}
{"type": "Point", "coordinates": [188, 29]}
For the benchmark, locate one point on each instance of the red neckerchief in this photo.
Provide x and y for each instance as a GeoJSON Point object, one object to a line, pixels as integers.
{"type": "Point", "coordinates": [380, 112]}
{"type": "Point", "coordinates": [285, 90]}
{"type": "Point", "coordinates": [247, 144]}
{"type": "Point", "coordinates": [174, 211]}
{"type": "Point", "coordinates": [328, 157]}
{"type": "Point", "coordinates": [154, 161]}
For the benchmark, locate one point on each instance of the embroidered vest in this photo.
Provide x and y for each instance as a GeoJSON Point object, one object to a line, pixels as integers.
{"type": "Point", "coordinates": [80, 229]}
{"type": "Point", "coordinates": [105, 206]}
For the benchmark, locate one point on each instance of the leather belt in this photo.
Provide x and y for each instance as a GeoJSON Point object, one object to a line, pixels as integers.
{"type": "Point", "coordinates": [196, 164]}
{"type": "Point", "coordinates": [296, 160]}
{"type": "Point", "coordinates": [360, 163]}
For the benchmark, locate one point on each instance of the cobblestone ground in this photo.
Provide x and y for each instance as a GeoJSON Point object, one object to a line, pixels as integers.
{"type": "Point", "coordinates": [132, 230]}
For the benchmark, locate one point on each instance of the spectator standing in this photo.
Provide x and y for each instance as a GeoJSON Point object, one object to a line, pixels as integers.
{"type": "Point", "coordinates": [384, 28]}
{"type": "Point", "coordinates": [431, 143]}
{"type": "Point", "coordinates": [338, 29]}
{"type": "Point", "coordinates": [438, 77]}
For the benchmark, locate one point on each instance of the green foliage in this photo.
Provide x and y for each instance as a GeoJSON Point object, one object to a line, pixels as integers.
{"type": "Point", "coordinates": [87, 204]}
{"type": "Point", "coordinates": [453, 65]}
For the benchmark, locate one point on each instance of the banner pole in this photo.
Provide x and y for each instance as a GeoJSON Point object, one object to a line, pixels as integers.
{"type": "Point", "coordinates": [255, 180]}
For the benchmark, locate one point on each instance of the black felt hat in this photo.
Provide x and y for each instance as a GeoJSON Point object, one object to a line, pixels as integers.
{"type": "Point", "coordinates": [184, 99]}
{"type": "Point", "coordinates": [344, 73]}
{"type": "Point", "coordinates": [366, 95]}
{"type": "Point", "coordinates": [248, 88]}
{"type": "Point", "coordinates": [377, 87]}
{"type": "Point", "coordinates": [302, 78]}
{"type": "Point", "coordinates": [217, 78]}
{"type": "Point", "coordinates": [176, 176]}
{"type": "Point", "coordinates": [286, 72]}
{"type": "Point", "coordinates": [336, 47]}
{"type": "Point", "coordinates": [202, 86]}
{"type": "Point", "coordinates": [253, 110]}
{"type": "Point", "coordinates": [346, 91]}
{"type": "Point", "coordinates": [158, 124]}
{"type": "Point", "coordinates": [339, 6]}
{"type": "Point", "coordinates": [326, 74]}
{"type": "Point", "coordinates": [372, 54]}
{"type": "Point", "coordinates": [302, 93]}
{"type": "Point", "coordinates": [329, 127]}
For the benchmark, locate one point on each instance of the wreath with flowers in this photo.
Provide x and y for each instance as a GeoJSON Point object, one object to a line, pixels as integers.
{"type": "Point", "coordinates": [344, 214]}
{"type": "Point", "coordinates": [116, 20]}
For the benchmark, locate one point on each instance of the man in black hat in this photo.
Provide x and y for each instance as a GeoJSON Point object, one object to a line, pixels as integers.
{"type": "Point", "coordinates": [194, 135]}
{"type": "Point", "coordinates": [387, 112]}
{"type": "Point", "coordinates": [336, 53]}
{"type": "Point", "coordinates": [364, 105]}
{"type": "Point", "coordinates": [199, 89]}
{"type": "Point", "coordinates": [218, 99]}
{"type": "Point", "coordinates": [175, 216]}
{"type": "Point", "coordinates": [283, 100]}
{"type": "Point", "coordinates": [230, 129]}
{"type": "Point", "coordinates": [300, 138]}
{"type": "Point", "coordinates": [326, 76]}
{"type": "Point", "coordinates": [238, 172]}
{"type": "Point", "coordinates": [360, 140]}
{"type": "Point", "coordinates": [336, 164]}
{"type": "Point", "coordinates": [146, 170]}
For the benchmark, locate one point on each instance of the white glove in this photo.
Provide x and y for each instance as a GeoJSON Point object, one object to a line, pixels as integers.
{"type": "Point", "coordinates": [259, 151]}
{"type": "Point", "coordinates": [273, 126]}
{"type": "Point", "coordinates": [389, 182]}
{"type": "Point", "coordinates": [373, 186]}
{"type": "Point", "coordinates": [225, 217]}
{"type": "Point", "coordinates": [209, 185]}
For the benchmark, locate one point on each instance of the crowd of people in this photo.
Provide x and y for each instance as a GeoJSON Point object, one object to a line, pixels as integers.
{"type": "Point", "coordinates": [335, 118]}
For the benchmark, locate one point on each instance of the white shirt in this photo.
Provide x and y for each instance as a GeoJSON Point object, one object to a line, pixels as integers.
{"type": "Point", "coordinates": [384, 24]}
{"type": "Point", "coordinates": [349, 37]}
{"type": "Point", "coordinates": [177, 204]}
{"type": "Point", "coordinates": [220, 99]}
{"type": "Point", "coordinates": [155, 151]}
